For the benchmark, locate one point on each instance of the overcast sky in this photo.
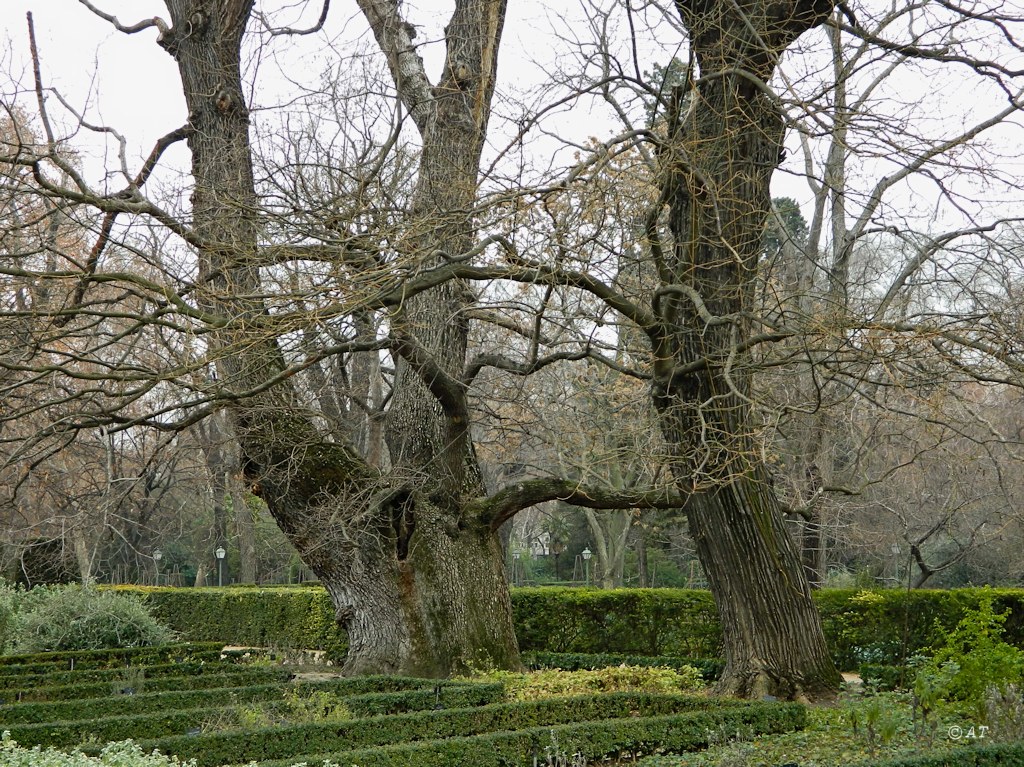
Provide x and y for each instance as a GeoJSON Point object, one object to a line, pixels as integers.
{"type": "Point", "coordinates": [130, 83]}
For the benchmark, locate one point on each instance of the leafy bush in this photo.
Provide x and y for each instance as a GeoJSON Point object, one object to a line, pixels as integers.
{"type": "Point", "coordinates": [122, 754]}
{"type": "Point", "coordinates": [9, 596]}
{"type": "Point", "coordinates": [1003, 755]}
{"type": "Point", "coordinates": [76, 618]}
{"type": "Point", "coordinates": [974, 658]}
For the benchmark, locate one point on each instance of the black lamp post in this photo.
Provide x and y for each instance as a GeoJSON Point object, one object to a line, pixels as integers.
{"type": "Point", "coordinates": [587, 554]}
{"type": "Point", "coordinates": [220, 553]}
{"type": "Point", "coordinates": [157, 556]}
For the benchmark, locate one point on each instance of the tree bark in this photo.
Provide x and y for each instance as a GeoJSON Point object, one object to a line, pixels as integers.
{"type": "Point", "coordinates": [719, 160]}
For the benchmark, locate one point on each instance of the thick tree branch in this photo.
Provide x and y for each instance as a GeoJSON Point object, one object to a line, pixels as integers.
{"type": "Point", "coordinates": [509, 501]}
{"type": "Point", "coordinates": [128, 29]}
{"type": "Point", "coordinates": [449, 392]}
{"type": "Point", "coordinates": [395, 37]}
{"type": "Point", "coordinates": [502, 362]}
{"type": "Point", "coordinates": [276, 31]}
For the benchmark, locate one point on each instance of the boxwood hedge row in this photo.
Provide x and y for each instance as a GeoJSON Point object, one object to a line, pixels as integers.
{"type": "Point", "coordinates": [288, 741]}
{"type": "Point", "coordinates": [352, 691]}
{"type": "Point", "coordinates": [884, 626]}
{"type": "Point", "coordinates": [111, 675]}
{"type": "Point", "coordinates": [238, 678]}
{"type": "Point", "coordinates": [109, 658]}
{"type": "Point", "coordinates": [590, 740]}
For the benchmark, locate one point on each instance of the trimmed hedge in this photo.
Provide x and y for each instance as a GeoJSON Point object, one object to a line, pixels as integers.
{"type": "Point", "coordinates": [68, 711]}
{"type": "Point", "coordinates": [881, 627]}
{"type": "Point", "coordinates": [449, 695]}
{"type": "Point", "coordinates": [1001, 755]}
{"type": "Point", "coordinates": [288, 742]}
{"type": "Point", "coordinates": [169, 714]}
{"type": "Point", "coordinates": [111, 675]}
{"type": "Point", "coordinates": [710, 669]}
{"type": "Point", "coordinates": [359, 702]}
{"type": "Point", "coordinates": [241, 678]}
{"type": "Point", "coordinates": [592, 740]}
{"type": "Point", "coordinates": [68, 734]}
{"type": "Point", "coordinates": [280, 617]}
{"type": "Point", "coordinates": [112, 657]}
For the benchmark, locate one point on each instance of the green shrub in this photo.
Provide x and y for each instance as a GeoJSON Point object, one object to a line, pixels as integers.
{"type": "Point", "coordinates": [269, 703]}
{"type": "Point", "coordinates": [648, 622]}
{"type": "Point", "coordinates": [75, 618]}
{"type": "Point", "coordinates": [885, 678]}
{"type": "Point", "coordinates": [8, 614]}
{"type": "Point", "coordinates": [88, 675]}
{"type": "Point", "coordinates": [975, 657]}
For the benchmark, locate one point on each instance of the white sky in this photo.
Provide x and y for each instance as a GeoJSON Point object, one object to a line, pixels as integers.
{"type": "Point", "coordinates": [130, 83]}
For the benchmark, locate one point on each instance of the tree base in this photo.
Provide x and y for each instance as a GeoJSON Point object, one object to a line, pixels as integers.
{"type": "Point", "coordinates": [758, 684]}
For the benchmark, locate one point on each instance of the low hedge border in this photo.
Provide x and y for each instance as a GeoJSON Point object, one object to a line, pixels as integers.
{"type": "Point", "coordinates": [113, 657]}
{"type": "Point", "coordinates": [160, 670]}
{"type": "Point", "coordinates": [65, 735]}
{"type": "Point", "coordinates": [449, 695]}
{"type": "Point", "coordinates": [591, 740]}
{"type": "Point", "coordinates": [352, 691]}
{"type": "Point", "coordinates": [113, 664]}
{"type": "Point", "coordinates": [999, 755]}
{"type": "Point", "coordinates": [710, 668]}
{"type": "Point", "coordinates": [287, 742]}
{"type": "Point", "coordinates": [93, 690]}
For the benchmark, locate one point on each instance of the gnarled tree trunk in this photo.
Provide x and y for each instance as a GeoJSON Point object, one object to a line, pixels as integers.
{"type": "Point", "coordinates": [719, 160]}
{"type": "Point", "coordinates": [415, 577]}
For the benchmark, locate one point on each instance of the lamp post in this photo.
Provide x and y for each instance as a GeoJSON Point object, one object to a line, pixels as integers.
{"type": "Point", "coordinates": [157, 556]}
{"type": "Point", "coordinates": [587, 554]}
{"type": "Point", "coordinates": [515, 568]}
{"type": "Point", "coordinates": [220, 553]}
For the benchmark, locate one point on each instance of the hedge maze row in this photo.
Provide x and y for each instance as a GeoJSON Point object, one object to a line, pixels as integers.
{"type": "Point", "coordinates": [186, 700]}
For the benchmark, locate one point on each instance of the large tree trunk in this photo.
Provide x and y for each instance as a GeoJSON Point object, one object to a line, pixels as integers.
{"type": "Point", "coordinates": [416, 580]}
{"type": "Point", "coordinates": [718, 164]}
